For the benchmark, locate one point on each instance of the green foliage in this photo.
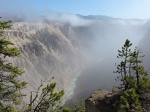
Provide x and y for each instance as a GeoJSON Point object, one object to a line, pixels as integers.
{"type": "Point", "coordinates": [10, 86]}
{"type": "Point", "coordinates": [128, 102]}
{"type": "Point", "coordinates": [133, 77]}
{"type": "Point", "coordinates": [48, 101]}
{"type": "Point", "coordinates": [124, 54]}
{"type": "Point", "coordinates": [7, 108]}
{"type": "Point", "coordinates": [78, 108]}
{"type": "Point", "coordinates": [132, 73]}
{"type": "Point", "coordinates": [4, 25]}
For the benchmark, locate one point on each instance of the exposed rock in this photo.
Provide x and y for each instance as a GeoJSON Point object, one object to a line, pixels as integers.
{"type": "Point", "coordinates": [145, 102]}
{"type": "Point", "coordinates": [56, 49]}
{"type": "Point", "coordinates": [100, 101]}
{"type": "Point", "coordinates": [47, 51]}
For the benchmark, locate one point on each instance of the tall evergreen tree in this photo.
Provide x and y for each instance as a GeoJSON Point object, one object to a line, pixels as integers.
{"type": "Point", "coordinates": [133, 77]}
{"type": "Point", "coordinates": [132, 73]}
{"type": "Point", "coordinates": [10, 85]}
{"type": "Point", "coordinates": [142, 82]}
{"type": "Point", "coordinates": [124, 54]}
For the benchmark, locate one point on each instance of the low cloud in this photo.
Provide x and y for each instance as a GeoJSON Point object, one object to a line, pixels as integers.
{"type": "Point", "coordinates": [32, 16]}
{"type": "Point", "coordinates": [72, 19]}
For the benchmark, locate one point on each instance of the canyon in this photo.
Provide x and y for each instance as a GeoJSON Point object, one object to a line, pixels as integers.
{"type": "Point", "coordinates": [80, 53]}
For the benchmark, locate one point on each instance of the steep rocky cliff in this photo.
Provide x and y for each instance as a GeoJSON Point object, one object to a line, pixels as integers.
{"type": "Point", "coordinates": [61, 49]}
{"type": "Point", "coordinates": [48, 50]}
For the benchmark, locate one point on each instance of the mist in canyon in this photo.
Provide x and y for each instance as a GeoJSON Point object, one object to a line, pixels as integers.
{"type": "Point", "coordinates": [80, 50]}
{"type": "Point", "coordinates": [102, 40]}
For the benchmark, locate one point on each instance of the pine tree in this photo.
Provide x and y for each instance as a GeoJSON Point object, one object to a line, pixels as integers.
{"type": "Point", "coordinates": [132, 73]}
{"type": "Point", "coordinates": [133, 77]}
{"type": "Point", "coordinates": [142, 82]}
{"type": "Point", "coordinates": [122, 67]}
{"type": "Point", "coordinates": [128, 102]}
{"type": "Point", "coordinates": [10, 85]}
{"type": "Point", "coordinates": [46, 101]}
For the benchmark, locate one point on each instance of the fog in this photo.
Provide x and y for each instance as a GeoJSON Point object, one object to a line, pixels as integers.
{"type": "Point", "coordinates": [47, 16]}
{"type": "Point", "coordinates": [100, 40]}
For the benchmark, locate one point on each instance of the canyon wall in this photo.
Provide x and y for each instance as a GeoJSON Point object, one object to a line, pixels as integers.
{"type": "Point", "coordinates": [62, 50]}
{"type": "Point", "coordinates": [48, 50]}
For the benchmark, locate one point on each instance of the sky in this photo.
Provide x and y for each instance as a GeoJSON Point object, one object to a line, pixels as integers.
{"type": "Point", "coordinates": [113, 8]}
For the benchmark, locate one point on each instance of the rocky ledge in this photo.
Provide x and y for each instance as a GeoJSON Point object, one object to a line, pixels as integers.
{"type": "Point", "coordinates": [102, 101]}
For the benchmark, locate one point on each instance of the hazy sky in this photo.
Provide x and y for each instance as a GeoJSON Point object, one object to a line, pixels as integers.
{"type": "Point", "coordinates": [113, 8]}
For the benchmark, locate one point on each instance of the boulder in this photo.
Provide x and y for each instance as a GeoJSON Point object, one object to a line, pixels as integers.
{"type": "Point", "coordinates": [101, 101]}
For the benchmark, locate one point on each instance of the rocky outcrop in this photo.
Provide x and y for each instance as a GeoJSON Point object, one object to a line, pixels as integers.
{"type": "Point", "coordinates": [102, 101]}
{"type": "Point", "coordinates": [145, 101]}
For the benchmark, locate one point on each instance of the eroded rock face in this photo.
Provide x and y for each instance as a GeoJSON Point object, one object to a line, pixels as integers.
{"type": "Point", "coordinates": [100, 101]}
{"type": "Point", "coordinates": [56, 49]}
{"type": "Point", "coordinates": [47, 51]}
